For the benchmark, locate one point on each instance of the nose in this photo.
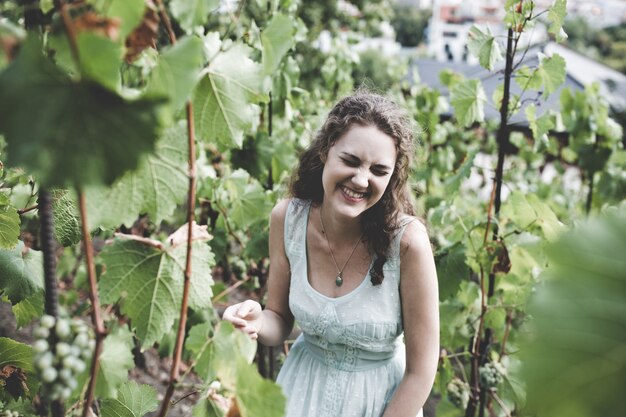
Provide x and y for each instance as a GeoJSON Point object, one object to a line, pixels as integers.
{"type": "Point", "coordinates": [361, 178]}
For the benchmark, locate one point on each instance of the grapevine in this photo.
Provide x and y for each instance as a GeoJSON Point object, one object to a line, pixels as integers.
{"type": "Point", "coordinates": [58, 366]}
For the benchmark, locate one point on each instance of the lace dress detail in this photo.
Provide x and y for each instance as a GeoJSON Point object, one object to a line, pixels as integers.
{"type": "Point", "coordinates": [350, 357]}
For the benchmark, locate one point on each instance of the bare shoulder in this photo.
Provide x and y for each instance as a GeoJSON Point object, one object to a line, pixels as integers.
{"type": "Point", "coordinates": [415, 240]}
{"type": "Point", "coordinates": [279, 212]}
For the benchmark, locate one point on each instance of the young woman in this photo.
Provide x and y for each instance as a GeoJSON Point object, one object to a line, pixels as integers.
{"type": "Point", "coordinates": [352, 266]}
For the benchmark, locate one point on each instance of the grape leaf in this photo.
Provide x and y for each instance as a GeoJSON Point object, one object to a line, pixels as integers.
{"type": "Point", "coordinates": [28, 309]}
{"type": "Point", "coordinates": [103, 138]}
{"type": "Point", "coordinates": [528, 210]}
{"type": "Point", "coordinates": [453, 182]}
{"type": "Point", "coordinates": [539, 126]}
{"type": "Point", "coordinates": [21, 272]}
{"type": "Point", "coordinates": [100, 59]}
{"type": "Point", "coordinates": [156, 187]}
{"type": "Point", "coordinates": [9, 223]}
{"type": "Point", "coordinates": [192, 13]}
{"type": "Point", "coordinates": [485, 46]}
{"type": "Point", "coordinates": [215, 357]}
{"type": "Point", "coordinates": [129, 13]}
{"type": "Point", "coordinates": [115, 360]}
{"type": "Point", "coordinates": [19, 355]}
{"type": "Point", "coordinates": [468, 99]}
{"type": "Point", "coordinates": [16, 354]}
{"type": "Point", "coordinates": [451, 270]}
{"type": "Point", "coordinates": [66, 220]}
{"type": "Point", "coordinates": [222, 109]}
{"type": "Point", "coordinates": [549, 75]}
{"type": "Point", "coordinates": [176, 73]}
{"type": "Point", "coordinates": [277, 38]}
{"type": "Point", "coordinates": [574, 358]}
{"type": "Point", "coordinates": [133, 400]}
{"type": "Point", "coordinates": [255, 395]}
{"type": "Point", "coordinates": [556, 17]}
{"type": "Point", "coordinates": [149, 281]}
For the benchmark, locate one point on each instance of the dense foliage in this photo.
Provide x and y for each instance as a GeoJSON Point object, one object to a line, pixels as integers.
{"type": "Point", "coordinates": [140, 121]}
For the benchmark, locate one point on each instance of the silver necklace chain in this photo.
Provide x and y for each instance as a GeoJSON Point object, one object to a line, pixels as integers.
{"type": "Point", "coordinates": [339, 278]}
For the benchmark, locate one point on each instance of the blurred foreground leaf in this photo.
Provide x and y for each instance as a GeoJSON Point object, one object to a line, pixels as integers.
{"type": "Point", "coordinates": [575, 360]}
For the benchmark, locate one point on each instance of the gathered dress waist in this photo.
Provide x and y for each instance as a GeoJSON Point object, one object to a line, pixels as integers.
{"type": "Point", "coordinates": [344, 357]}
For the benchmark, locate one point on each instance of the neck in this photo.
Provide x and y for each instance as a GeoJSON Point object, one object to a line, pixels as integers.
{"type": "Point", "coordinates": [341, 228]}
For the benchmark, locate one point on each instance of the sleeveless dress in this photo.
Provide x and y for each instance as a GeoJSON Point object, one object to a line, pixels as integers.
{"type": "Point", "coordinates": [349, 358]}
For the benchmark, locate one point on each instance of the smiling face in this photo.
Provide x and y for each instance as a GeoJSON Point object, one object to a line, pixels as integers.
{"type": "Point", "coordinates": [357, 170]}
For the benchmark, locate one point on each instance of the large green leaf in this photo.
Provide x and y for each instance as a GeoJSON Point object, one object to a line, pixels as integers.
{"type": "Point", "coordinates": [177, 72]}
{"type": "Point", "coordinates": [156, 187]}
{"type": "Point", "coordinates": [244, 199]}
{"type": "Point", "coordinates": [222, 109]}
{"type": "Point", "coordinates": [133, 400]}
{"type": "Point", "coordinates": [100, 59]}
{"type": "Point", "coordinates": [277, 38]}
{"type": "Point", "coordinates": [556, 16]}
{"type": "Point", "coordinates": [28, 309]}
{"type": "Point", "coordinates": [216, 356]}
{"type": "Point", "coordinates": [468, 99]}
{"type": "Point", "coordinates": [575, 359]}
{"type": "Point", "coordinates": [485, 46]}
{"type": "Point", "coordinates": [548, 76]}
{"type": "Point", "coordinates": [21, 272]}
{"type": "Point", "coordinates": [116, 360]}
{"type": "Point", "coordinates": [149, 283]}
{"type": "Point", "coordinates": [68, 132]}
{"type": "Point", "coordinates": [128, 12]}
{"type": "Point", "coordinates": [19, 355]}
{"type": "Point", "coordinates": [9, 223]}
{"type": "Point", "coordinates": [257, 396]}
{"type": "Point", "coordinates": [192, 13]}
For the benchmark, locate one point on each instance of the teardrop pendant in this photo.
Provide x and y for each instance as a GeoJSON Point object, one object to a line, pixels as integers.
{"type": "Point", "coordinates": [339, 281]}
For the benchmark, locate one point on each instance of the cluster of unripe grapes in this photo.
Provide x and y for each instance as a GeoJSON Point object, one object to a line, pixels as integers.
{"type": "Point", "coordinates": [458, 392]}
{"type": "Point", "coordinates": [59, 365]}
{"type": "Point", "coordinates": [491, 375]}
{"type": "Point", "coordinates": [9, 413]}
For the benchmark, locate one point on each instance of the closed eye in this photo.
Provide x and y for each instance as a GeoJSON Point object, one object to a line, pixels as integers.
{"type": "Point", "coordinates": [351, 162]}
{"type": "Point", "coordinates": [380, 172]}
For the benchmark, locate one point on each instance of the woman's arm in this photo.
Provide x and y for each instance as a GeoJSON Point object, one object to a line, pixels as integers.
{"type": "Point", "coordinates": [420, 311]}
{"type": "Point", "coordinates": [272, 325]}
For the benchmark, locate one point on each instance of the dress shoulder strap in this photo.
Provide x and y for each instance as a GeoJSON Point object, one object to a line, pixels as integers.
{"type": "Point", "coordinates": [296, 220]}
{"type": "Point", "coordinates": [405, 219]}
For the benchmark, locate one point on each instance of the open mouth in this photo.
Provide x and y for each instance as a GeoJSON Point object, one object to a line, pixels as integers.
{"type": "Point", "coordinates": [351, 194]}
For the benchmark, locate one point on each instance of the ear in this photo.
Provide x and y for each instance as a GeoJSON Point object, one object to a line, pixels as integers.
{"type": "Point", "coordinates": [323, 156]}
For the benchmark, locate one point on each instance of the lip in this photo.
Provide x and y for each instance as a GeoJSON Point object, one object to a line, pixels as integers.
{"type": "Point", "coordinates": [347, 193]}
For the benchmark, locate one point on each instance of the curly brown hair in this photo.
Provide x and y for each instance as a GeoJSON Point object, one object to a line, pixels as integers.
{"type": "Point", "coordinates": [381, 221]}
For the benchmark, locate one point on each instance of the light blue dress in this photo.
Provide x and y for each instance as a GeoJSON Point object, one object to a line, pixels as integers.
{"type": "Point", "coordinates": [350, 357]}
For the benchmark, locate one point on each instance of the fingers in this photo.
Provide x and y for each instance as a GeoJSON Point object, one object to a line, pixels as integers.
{"type": "Point", "coordinates": [241, 315]}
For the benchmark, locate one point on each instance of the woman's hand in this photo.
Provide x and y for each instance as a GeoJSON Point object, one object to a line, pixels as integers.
{"type": "Point", "coordinates": [246, 316]}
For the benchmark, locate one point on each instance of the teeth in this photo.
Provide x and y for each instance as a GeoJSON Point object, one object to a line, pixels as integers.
{"type": "Point", "coordinates": [353, 194]}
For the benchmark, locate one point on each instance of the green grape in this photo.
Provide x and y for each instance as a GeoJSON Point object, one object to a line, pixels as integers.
{"type": "Point", "coordinates": [458, 392]}
{"type": "Point", "coordinates": [40, 346]}
{"type": "Point", "coordinates": [49, 374]}
{"type": "Point", "coordinates": [47, 321]}
{"type": "Point", "coordinates": [491, 375]}
{"type": "Point", "coordinates": [41, 333]}
{"type": "Point", "coordinates": [58, 368]}
{"type": "Point", "coordinates": [62, 329]}
{"type": "Point", "coordinates": [63, 349]}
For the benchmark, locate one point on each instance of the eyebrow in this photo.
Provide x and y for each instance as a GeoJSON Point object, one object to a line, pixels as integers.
{"type": "Point", "coordinates": [354, 157]}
